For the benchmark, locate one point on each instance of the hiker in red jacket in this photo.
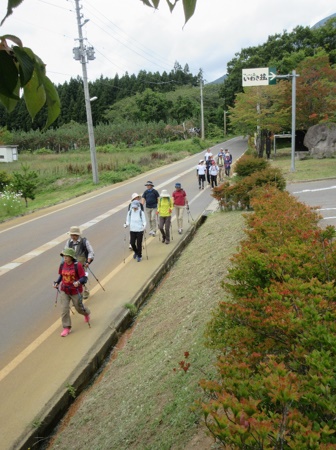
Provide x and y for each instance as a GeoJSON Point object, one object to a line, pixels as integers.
{"type": "Point", "coordinates": [71, 276]}
{"type": "Point", "coordinates": [180, 202]}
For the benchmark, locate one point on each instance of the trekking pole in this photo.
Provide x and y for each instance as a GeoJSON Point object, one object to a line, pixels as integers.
{"type": "Point", "coordinates": [94, 276]}
{"type": "Point", "coordinates": [171, 231]}
{"type": "Point", "coordinates": [56, 296]}
{"type": "Point", "coordinates": [189, 214]}
{"type": "Point", "coordinates": [80, 301]}
{"type": "Point", "coordinates": [124, 242]}
{"type": "Point", "coordinates": [145, 245]}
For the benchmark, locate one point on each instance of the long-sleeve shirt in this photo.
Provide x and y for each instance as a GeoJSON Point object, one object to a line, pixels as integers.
{"type": "Point", "coordinates": [136, 220]}
{"type": "Point", "coordinates": [83, 249]}
{"type": "Point", "coordinates": [68, 275]}
{"type": "Point", "coordinates": [165, 206]}
{"type": "Point", "coordinates": [179, 197]}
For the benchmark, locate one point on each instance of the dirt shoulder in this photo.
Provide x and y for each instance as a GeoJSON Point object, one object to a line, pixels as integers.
{"type": "Point", "coordinates": [141, 399]}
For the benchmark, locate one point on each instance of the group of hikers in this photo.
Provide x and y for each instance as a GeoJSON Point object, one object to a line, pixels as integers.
{"type": "Point", "coordinates": [213, 169]}
{"type": "Point", "coordinates": [78, 253]}
{"type": "Point", "coordinates": [159, 208]}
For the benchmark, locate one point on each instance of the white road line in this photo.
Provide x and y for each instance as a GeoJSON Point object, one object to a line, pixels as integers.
{"type": "Point", "coordinates": [314, 190]}
{"type": "Point", "coordinates": [63, 237]}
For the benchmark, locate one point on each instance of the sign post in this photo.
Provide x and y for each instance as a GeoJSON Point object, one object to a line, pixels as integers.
{"type": "Point", "coordinates": [266, 76]}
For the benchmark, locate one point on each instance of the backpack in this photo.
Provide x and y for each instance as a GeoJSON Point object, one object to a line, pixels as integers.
{"type": "Point", "coordinates": [82, 247]}
{"type": "Point", "coordinates": [76, 270]}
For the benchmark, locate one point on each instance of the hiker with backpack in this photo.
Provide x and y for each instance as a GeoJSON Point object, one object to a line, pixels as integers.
{"type": "Point", "coordinates": [213, 172]}
{"type": "Point", "coordinates": [150, 197]}
{"type": "Point", "coordinates": [83, 250]}
{"type": "Point", "coordinates": [200, 173]}
{"type": "Point", "coordinates": [135, 196]}
{"type": "Point", "coordinates": [164, 211]}
{"type": "Point", "coordinates": [227, 162]}
{"type": "Point", "coordinates": [180, 203]}
{"type": "Point", "coordinates": [220, 164]}
{"type": "Point", "coordinates": [71, 278]}
{"type": "Point", "coordinates": [136, 220]}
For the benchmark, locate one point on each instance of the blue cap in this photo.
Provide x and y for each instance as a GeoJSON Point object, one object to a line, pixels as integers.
{"type": "Point", "coordinates": [178, 185]}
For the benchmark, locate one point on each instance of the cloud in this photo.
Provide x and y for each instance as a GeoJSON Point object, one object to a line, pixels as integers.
{"type": "Point", "coordinates": [128, 36]}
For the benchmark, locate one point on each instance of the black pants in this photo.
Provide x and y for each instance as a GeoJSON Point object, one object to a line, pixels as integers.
{"type": "Point", "coordinates": [136, 242]}
{"type": "Point", "coordinates": [201, 181]}
{"type": "Point", "coordinates": [213, 179]}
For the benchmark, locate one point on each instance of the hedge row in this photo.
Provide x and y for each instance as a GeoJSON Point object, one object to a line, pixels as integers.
{"type": "Point", "coordinates": [276, 333]}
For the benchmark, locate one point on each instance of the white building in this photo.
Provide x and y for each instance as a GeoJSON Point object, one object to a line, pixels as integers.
{"type": "Point", "coordinates": [8, 153]}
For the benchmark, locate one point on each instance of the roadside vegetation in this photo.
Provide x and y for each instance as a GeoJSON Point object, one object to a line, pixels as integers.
{"type": "Point", "coordinates": [241, 356]}
{"type": "Point", "coordinates": [55, 177]}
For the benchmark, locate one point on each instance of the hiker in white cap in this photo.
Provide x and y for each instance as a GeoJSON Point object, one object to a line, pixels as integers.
{"type": "Point", "coordinates": [150, 197]}
{"type": "Point", "coordinates": [165, 209]}
{"type": "Point", "coordinates": [83, 251]}
{"type": "Point", "coordinates": [200, 173]}
{"type": "Point", "coordinates": [136, 220]}
{"type": "Point", "coordinates": [135, 196]}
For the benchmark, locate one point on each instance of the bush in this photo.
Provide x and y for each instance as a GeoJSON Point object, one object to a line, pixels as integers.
{"type": "Point", "coordinates": [248, 164]}
{"type": "Point", "coordinates": [239, 194]}
{"type": "Point", "coordinates": [5, 179]}
{"type": "Point", "coordinates": [276, 333]}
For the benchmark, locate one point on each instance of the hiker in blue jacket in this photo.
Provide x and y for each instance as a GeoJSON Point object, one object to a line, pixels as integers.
{"type": "Point", "coordinates": [136, 220]}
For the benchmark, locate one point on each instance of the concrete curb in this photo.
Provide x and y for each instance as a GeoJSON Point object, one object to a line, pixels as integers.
{"type": "Point", "coordinates": [85, 371]}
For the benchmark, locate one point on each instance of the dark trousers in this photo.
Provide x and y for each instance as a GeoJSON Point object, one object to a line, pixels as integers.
{"type": "Point", "coordinates": [208, 176]}
{"type": "Point", "coordinates": [164, 226]}
{"type": "Point", "coordinates": [136, 242]}
{"type": "Point", "coordinates": [227, 170]}
{"type": "Point", "coordinates": [201, 181]}
{"type": "Point", "coordinates": [213, 179]}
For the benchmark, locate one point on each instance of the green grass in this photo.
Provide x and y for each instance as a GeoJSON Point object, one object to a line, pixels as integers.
{"type": "Point", "coordinates": [67, 175]}
{"type": "Point", "coordinates": [144, 400]}
{"type": "Point", "coordinates": [305, 169]}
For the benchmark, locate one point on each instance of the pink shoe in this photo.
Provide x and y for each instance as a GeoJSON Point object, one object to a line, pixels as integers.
{"type": "Point", "coordinates": [87, 318]}
{"type": "Point", "coordinates": [65, 332]}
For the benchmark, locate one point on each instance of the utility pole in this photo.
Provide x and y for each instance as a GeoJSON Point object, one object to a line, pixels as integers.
{"type": "Point", "coordinates": [82, 54]}
{"type": "Point", "coordinates": [202, 112]}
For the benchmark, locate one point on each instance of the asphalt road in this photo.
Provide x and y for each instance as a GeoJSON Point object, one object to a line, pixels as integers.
{"type": "Point", "coordinates": [30, 246]}
{"type": "Point", "coordinates": [320, 194]}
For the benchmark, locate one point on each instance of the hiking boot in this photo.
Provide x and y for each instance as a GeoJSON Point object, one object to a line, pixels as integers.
{"type": "Point", "coordinates": [87, 318]}
{"type": "Point", "coordinates": [167, 242]}
{"type": "Point", "coordinates": [180, 231]}
{"type": "Point", "coordinates": [163, 241]}
{"type": "Point", "coordinates": [152, 233]}
{"type": "Point", "coordinates": [65, 332]}
{"type": "Point", "coordinates": [135, 256]}
{"type": "Point", "coordinates": [130, 247]}
{"type": "Point", "coordinates": [139, 258]}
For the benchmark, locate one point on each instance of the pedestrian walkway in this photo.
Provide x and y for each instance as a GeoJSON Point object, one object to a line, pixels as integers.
{"type": "Point", "coordinates": [37, 387]}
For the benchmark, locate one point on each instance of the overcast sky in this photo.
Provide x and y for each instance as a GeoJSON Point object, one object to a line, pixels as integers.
{"type": "Point", "coordinates": [128, 36]}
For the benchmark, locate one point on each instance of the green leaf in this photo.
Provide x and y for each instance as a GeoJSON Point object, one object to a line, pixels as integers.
{"type": "Point", "coordinates": [8, 75]}
{"type": "Point", "coordinates": [10, 6]}
{"type": "Point", "coordinates": [53, 102]}
{"type": "Point", "coordinates": [34, 95]}
{"type": "Point", "coordinates": [8, 102]}
{"type": "Point", "coordinates": [12, 38]}
{"type": "Point", "coordinates": [26, 64]}
{"type": "Point", "coordinates": [189, 9]}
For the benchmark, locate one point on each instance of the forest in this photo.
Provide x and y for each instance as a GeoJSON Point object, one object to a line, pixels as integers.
{"type": "Point", "coordinates": [168, 104]}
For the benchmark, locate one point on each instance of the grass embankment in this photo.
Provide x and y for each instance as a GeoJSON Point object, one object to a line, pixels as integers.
{"type": "Point", "coordinates": [140, 401]}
